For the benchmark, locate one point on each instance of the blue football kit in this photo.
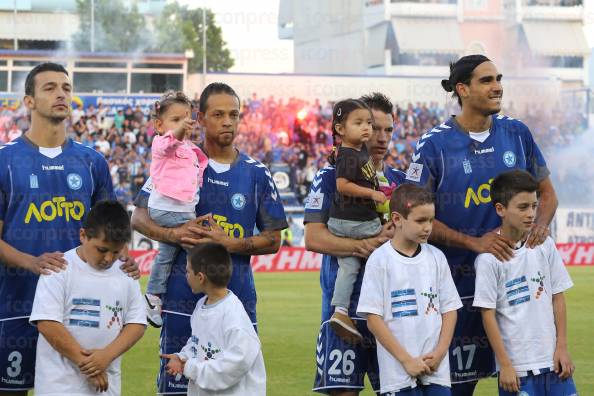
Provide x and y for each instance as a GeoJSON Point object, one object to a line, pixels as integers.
{"type": "Point", "coordinates": [340, 365]}
{"type": "Point", "coordinates": [242, 198]}
{"type": "Point", "coordinates": [459, 169]}
{"type": "Point", "coordinates": [44, 197]}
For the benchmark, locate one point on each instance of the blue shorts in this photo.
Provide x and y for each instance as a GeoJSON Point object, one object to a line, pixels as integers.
{"type": "Point", "coordinates": [471, 356]}
{"type": "Point", "coordinates": [422, 390]}
{"type": "Point", "coordinates": [178, 305]}
{"type": "Point", "coordinates": [546, 384]}
{"type": "Point", "coordinates": [18, 346]}
{"type": "Point", "coordinates": [343, 366]}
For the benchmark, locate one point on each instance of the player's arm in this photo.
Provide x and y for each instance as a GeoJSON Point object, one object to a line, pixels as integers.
{"type": "Point", "coordinates": [61, 340]}
{"type": "Point", "coordinates": [142, 222]}
{"type": "Point", "coordinates": [348, 188]}
{"type": "Point", "coordinates": [508, 378]}
{"type": "Point", "coordinates": [490, 242]}
{"type": "Point", "coordinates": [43, 264]}
{"type": "Point", "coordinates": [563, 363]}
{"type": "Point", "coordinates": [414, 366]}
{"type": "Point", "coordinates": [96, 361]}
{"type": "Point", "coordinates": [228, 369]}
{"type": "Point", "coordinates": [320, 240]}
{"type": "Point", "coordinates": [267, 242]}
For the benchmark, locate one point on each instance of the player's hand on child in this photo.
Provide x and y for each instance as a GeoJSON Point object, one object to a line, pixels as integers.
{"type": "Point", "coordinates": [537, 236]}
{"type": "Point", "coordinates": [95, 361]}
{"type": "Point", "coordinates": [130, 267]}
{"type": "Point", "coordinates": [416, 367]}
{"type": "Point", "coordinates": [99, 382]}
{"type": "Point", "coordinates": [433, 359]}
{"type": "Point", "coordinates": [508, 379]}
{"type": "Point", "coordinates": [364, 247]}
{"type": "Point", "coordinates": [379, 197]}
{"type": "Point", "coordinates": [48, 263]}
{"type": "Point", "coordinates": [175, 365]}
{"type": "Point", "coordinates": [563, 364]}
{"type": "Point", "coordinates": [499, 246]}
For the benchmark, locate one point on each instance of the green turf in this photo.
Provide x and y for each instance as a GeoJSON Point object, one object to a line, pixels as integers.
{"type": "Point", "coordinates": [289, 312]}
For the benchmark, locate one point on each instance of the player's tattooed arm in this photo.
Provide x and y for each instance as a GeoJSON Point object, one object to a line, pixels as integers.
{"type": "Point", "coordinates": [207, 230]}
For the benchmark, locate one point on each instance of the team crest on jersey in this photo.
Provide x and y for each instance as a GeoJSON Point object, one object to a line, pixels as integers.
{"type": "Point", "coordinates": [210, 351]}
{"type": "Point", "coordinates": [74, 181]}
{"type": "Point", "coordinates": [238, 201]}
{"type": "Point", "coordinates": [509, 158]}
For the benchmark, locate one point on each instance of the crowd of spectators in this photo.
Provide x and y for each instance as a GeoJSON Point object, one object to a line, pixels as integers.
{"type": "Point", "coordinates": [274, 130]}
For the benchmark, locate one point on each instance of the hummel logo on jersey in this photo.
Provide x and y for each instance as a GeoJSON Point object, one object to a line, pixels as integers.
{"type": "Point", "coordinates": [485, 151]}
{"type": "Point", "coordinates": [52, 167]}
{"type": "Point", "coordinates": [220, 183]}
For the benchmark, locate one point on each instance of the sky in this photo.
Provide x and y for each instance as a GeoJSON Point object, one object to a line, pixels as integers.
{"type": "Point", "coordinates": [250, 30]}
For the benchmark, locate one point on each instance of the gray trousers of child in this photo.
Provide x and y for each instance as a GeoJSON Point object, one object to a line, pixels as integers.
{"type": "Point", "coordinates": [163, 263]}
{"type": "Point", "coordinates": [348, 267]}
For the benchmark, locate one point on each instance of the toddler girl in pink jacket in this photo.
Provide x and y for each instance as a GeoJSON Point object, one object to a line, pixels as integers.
{"type": "Point", "coordinates": [177, 168]}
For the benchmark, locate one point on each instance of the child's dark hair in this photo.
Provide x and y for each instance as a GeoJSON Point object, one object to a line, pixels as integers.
{"type": "Point", "coordinates": [340, 113]}
{"type": "Point", "coordinates": [169, 98]}
{"type": "Point", "coordinates": [461, 72]}
{"type": "Point", "coordinates": [213, 89]}
{"type": "Point", "coordinates": [509, 184]}
{"type": "Point", "coordinates": [213, 260]}
{"type": "Point", "coordinates": [408, 196]}
{"type": "Point", "coordinates": [110, 220]}
{"type": "Point", "coordinates": [43, 67]}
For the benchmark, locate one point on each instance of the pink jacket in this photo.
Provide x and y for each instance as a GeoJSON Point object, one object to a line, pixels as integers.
{"type": "Point", "coordinates": [177, 167]}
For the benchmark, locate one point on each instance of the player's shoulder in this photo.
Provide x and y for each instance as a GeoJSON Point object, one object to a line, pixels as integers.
{"type": "Point", "coordinates": [437, 133]}
{"type": "Point", "coordinates": [325, 173]}
{"type": "Point", "coordinates": [511, 124]}
{"type": "Point", "coordinates": [10, 148]}
{"type": "Point", "coordinates": [86, 151]}
{"type": "Point", "coordinates": [246, 161]}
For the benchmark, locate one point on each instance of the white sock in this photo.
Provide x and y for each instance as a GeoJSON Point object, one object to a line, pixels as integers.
{"type": "Point", "coordinates": [342, 310]}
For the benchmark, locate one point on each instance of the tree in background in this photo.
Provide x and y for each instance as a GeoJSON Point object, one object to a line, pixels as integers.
{"type": "Point", "coordinates": [118, 27]}
{"type": "Point", "coordinates": [179, 28]}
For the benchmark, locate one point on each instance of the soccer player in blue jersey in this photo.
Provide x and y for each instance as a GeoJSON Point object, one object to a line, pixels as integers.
{"type": "Point", "coordinates": [47, 185]}
{"type": "Point", "coordinates": [238, 195]}
{"type": "Point", "coordinates": [341, 367]}
{"type": "Point", "coordinates": [457, 161]}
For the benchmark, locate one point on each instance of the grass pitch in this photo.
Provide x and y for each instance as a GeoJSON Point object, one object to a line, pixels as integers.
{"type": "Point", "coordinates": [288, 321]}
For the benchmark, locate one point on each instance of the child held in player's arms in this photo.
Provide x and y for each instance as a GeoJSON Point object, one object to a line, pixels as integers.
{"type": "Point", "coordinates": [223, 356]}
{"type": "Point", "coordinates": [353, 212]}
{"type": "Point", "coordinates": [89, 314]}
{"type": "Point", "coordinates": [177, 168]}
{"type": "Point", "coordinates": [522, 301]}
{"type": "Point", "coordinates": [410, 301]}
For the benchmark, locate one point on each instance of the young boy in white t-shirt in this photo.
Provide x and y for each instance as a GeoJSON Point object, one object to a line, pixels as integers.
{"type": "Point", "coordinates": [89, 314]}
{"type": "Point", "coordinates": [410, 301]}
{"type": "Point", "coordinates": [522, 302]}
{"type": "Point", "coordinates": [223, 356]}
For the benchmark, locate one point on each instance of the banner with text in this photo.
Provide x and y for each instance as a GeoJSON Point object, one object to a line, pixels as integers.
{"type": "Point", "coordinates": [297, 259]}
